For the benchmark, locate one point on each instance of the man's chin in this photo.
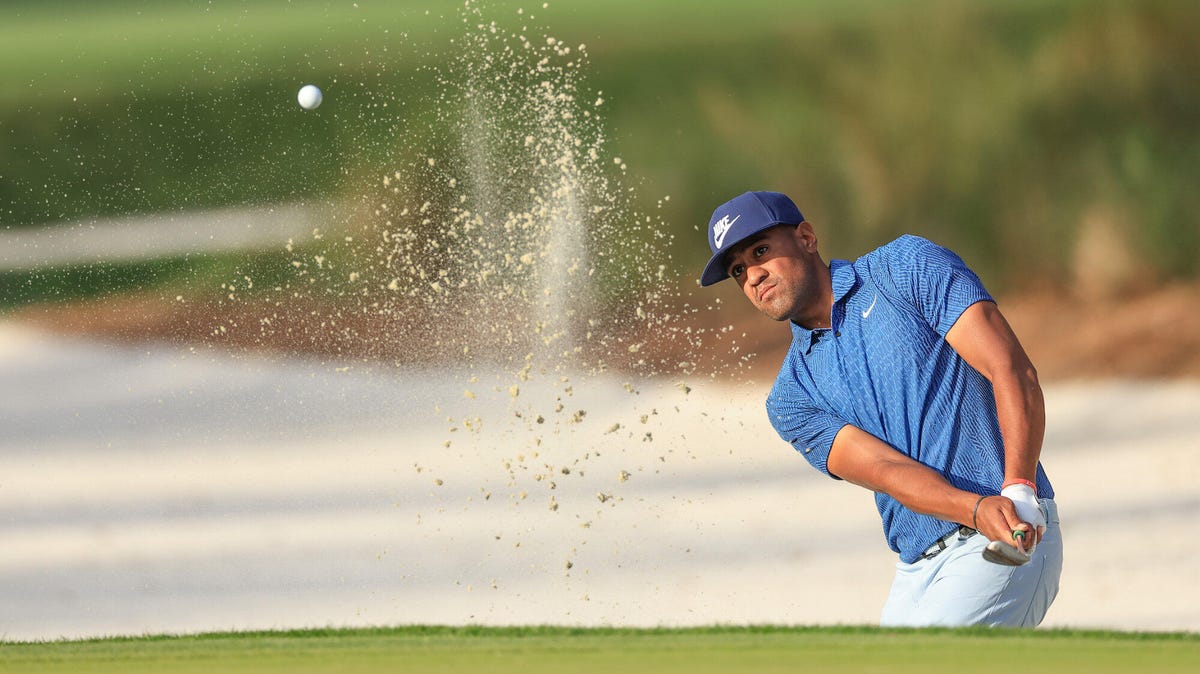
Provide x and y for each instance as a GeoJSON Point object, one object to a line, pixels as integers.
{"type": "Point", "coordinates": [774, 313]}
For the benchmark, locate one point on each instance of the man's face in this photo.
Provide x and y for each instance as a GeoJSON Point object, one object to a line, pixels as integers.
{"type": "Point", "coordinates": [778, 269]}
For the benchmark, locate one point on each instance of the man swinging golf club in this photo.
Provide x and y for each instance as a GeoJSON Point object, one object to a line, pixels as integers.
{"type": "Point", "coordinates": [903, 377]}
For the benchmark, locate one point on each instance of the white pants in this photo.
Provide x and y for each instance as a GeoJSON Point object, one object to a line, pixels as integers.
{"type": "Point", "coordinates": [958, 587]}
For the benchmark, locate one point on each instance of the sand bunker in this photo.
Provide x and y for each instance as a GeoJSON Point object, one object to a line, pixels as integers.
{"type": "Point", "coordinates": [154, 489]}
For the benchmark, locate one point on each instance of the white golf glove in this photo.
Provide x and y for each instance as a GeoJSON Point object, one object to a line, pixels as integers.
{"type": "Point", "coordinates": [1028, 508]}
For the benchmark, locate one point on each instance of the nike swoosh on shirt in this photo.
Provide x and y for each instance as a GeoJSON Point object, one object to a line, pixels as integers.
{"type": "Point", "coordinates": [871, 308]}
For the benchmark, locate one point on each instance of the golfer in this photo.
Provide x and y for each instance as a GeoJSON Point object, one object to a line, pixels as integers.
{"type": "Point", "coordinates": [904, 378]}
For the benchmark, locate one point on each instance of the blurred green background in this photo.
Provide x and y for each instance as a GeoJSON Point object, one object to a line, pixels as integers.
{"type": "Point", "coordinates": [1038, 138]}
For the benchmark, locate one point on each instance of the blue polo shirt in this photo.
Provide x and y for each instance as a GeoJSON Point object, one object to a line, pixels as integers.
{"type": "Point", "coordinates": [885, 367]}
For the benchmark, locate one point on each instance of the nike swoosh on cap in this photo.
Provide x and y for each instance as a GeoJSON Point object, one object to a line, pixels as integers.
{"type": "Point", "coordinates": [722, 229]}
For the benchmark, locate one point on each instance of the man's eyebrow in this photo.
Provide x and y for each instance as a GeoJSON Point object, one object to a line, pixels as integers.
{"type": "Point", "coordinates": [742, 246]}
{"type": "Point", "coordinates": [749, 243]}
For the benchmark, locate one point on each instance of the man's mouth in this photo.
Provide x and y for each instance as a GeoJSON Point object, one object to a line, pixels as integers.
{"type": "Point", "coordinates": [762, 294]}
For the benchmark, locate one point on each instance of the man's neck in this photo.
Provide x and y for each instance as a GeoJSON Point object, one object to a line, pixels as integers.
{"type": "Point", "coordinates": [818, 315]}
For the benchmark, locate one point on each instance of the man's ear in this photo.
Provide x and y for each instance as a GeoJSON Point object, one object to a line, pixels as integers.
{"type": "Point", "coordinates": [806, 237]}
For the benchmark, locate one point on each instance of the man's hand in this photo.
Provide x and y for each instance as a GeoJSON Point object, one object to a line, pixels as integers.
{"type": "Point", "coordinates": [1028, 509]}
{"type": "Point", "coordinates": [996, 518]}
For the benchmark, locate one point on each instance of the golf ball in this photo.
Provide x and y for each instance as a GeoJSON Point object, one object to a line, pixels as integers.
{"type": "Point", "coordinates": [309, 97]}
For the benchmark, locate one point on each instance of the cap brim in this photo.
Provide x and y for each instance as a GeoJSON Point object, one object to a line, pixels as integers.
{"type": "Point", "coordinates": [714, 271]}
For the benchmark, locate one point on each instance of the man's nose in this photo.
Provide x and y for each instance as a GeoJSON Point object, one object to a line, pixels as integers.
{"type": "Point", "coordinates": [756, 273]}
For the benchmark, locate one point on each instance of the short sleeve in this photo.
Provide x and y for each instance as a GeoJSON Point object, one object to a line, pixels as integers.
{"type": "Point", "coordinates": [807, 429]}
{"type": "Point", "coordinates": [933, 279]}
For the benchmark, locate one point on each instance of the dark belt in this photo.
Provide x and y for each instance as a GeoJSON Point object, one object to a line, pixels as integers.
{"type": "Point", "coordinates": [943, 542]}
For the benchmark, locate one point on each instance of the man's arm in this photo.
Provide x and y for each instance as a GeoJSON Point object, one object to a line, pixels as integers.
{"type": "Point", "coordinates": [863, 459]}
{"type": "Point", "coordinates": [984, 339]}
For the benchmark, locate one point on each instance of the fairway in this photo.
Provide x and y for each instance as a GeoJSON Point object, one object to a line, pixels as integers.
{"type": "Point", "coordinates": [552, 649]}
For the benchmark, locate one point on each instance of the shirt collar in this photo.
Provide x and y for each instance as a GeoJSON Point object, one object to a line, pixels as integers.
{"type": "Point", "coordinates": [843, 278]}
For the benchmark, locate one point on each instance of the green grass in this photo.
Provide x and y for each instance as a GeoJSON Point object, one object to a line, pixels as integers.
{"type": "Point", "coordinates": [72, 49]}
{"type": "Point", "coordinates": [630, 651]}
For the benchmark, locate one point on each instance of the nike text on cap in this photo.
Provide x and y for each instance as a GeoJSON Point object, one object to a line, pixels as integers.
{"type": "Point", "coordinates": [740, 218]}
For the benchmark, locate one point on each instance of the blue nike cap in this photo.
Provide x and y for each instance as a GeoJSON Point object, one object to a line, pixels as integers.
{"type": "Point", "coordinates": [740, 218]}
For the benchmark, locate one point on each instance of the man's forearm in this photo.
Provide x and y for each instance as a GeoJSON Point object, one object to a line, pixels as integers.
{"type": "Point", "coordinates": [1021, 412]}
{"type": "Point", "coordinates": [862, 459]}
{"type": "Point", "coordinates": [865, 460]}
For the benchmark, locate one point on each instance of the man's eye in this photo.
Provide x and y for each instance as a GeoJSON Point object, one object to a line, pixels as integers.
{"type": "Point", "coordinates": [737, 270]}
{"type": "Point", "coordinates": [760, 251]}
